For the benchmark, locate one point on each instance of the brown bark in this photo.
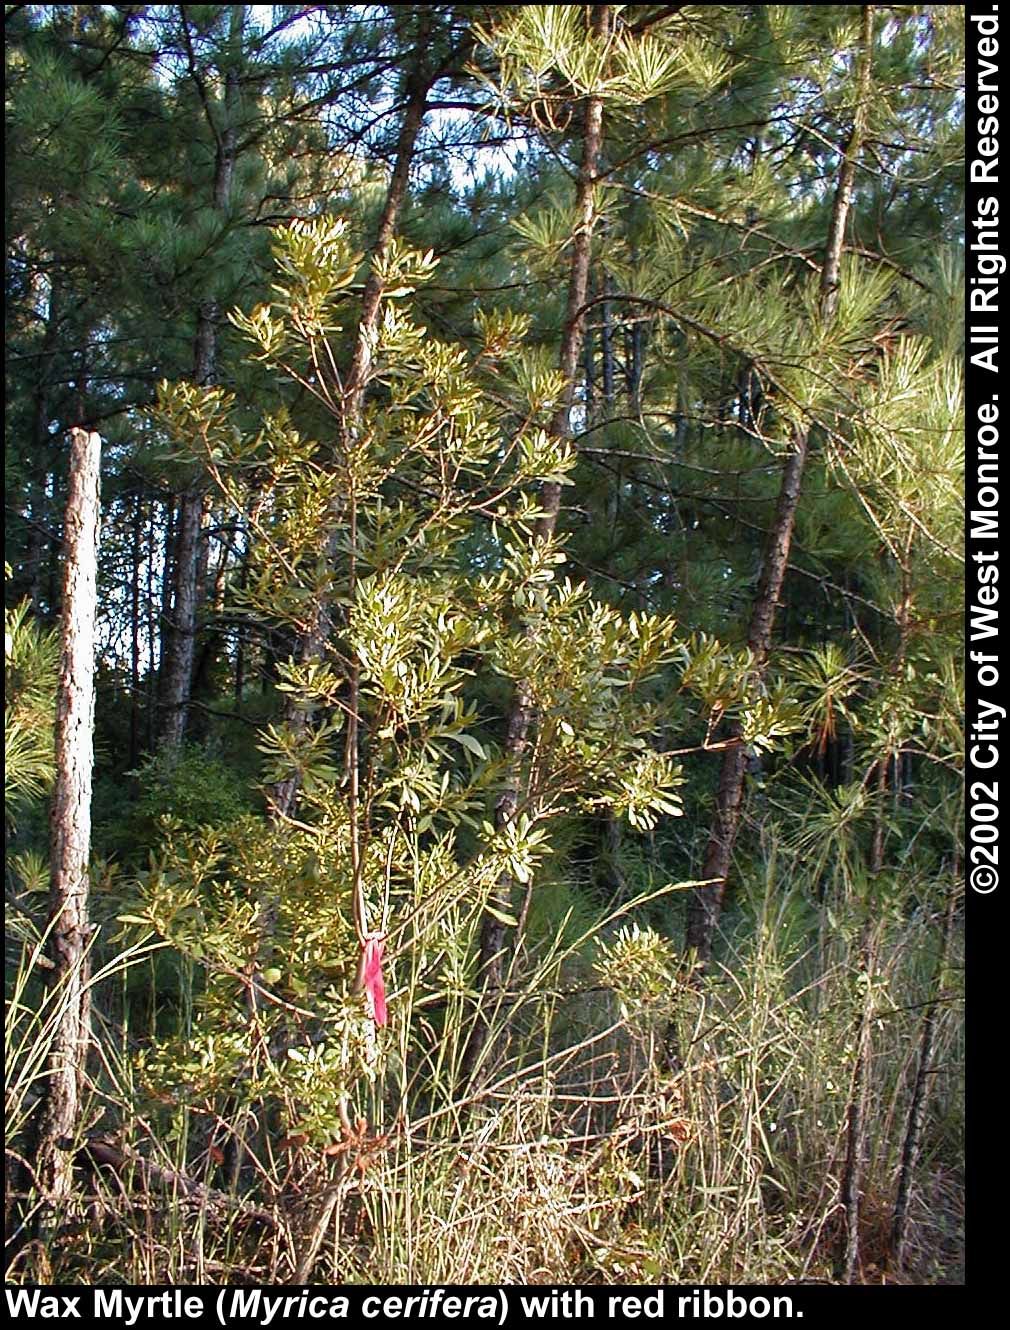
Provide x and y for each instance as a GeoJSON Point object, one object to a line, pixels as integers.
{"type": "Point", "coordinates": [135, 553]}
{"type": "Point", "coordinates": [40, 517]}
{"type": "Point", "coordinates": [178, 1185]}
{"type": "Point", "coordinates": [607, 345]}
{"type": "Point", "coordinates": [165, 595]}
{"type": "Point", "coordinates": [178, 667]}
{"type": "Point", "coordinates": [418, 85]}
{"type": "Point", "coordinates": [70, 832]}
{"type": "Point", "coordinates": [578, 280]}
{"type": "Point", "coordinates": [633, 355]}
{"type": "Point", "coordinates": [589, 366]}
{"type": "Point", "coordinates": [522, 713]}
{"type": "Point", "coordinates": [239, 633]}
{"type": "Point", "coordinates": [152, 623]}
{"type": "Point", "coordinates": [705, 903]}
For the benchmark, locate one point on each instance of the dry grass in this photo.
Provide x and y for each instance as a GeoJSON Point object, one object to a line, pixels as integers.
{"type": "Point", "coordinates": [591, 1154]}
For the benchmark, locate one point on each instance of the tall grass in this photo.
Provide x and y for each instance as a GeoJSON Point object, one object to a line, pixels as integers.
{"type": "Point", "coordinates": [694, 1139]}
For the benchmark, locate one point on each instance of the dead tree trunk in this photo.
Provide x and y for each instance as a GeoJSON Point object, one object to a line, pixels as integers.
{"type": "Point", "coordinates": [70, 833]}
{"type": "Point", "coordinates": [521, 716]}
{"type": "Point", "coordinates": [705, 903]}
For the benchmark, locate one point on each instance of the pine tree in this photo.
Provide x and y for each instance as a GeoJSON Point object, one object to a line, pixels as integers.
{"type": "Point", "coordinates": [706, 902]}
{"type": "Point", "coordinates": [224, 127]}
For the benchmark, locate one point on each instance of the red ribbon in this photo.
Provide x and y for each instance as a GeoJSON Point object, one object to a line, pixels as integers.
{"type": "Point", "coordinates": [371, 977]}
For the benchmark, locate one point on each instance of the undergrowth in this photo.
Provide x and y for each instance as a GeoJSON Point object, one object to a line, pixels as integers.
{"type": "Point", "coordinates": [630, 1125]}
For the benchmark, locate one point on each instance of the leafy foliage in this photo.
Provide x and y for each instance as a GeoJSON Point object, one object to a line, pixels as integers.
{"type": "Point", "coordinates": [30, 661]}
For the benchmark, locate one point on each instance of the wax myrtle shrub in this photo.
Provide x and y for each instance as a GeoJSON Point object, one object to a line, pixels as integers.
{"type": "Point", "coordinates": [393, 542]}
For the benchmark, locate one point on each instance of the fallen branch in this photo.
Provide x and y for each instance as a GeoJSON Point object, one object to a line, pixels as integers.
{"type": "Point", "coordinates": [157, 1178]}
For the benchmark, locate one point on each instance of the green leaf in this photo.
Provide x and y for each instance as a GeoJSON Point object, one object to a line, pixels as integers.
{"type": "Point", "coordinates": [501, 915]}
{"type": "Point", "coordinates": [471, 745]}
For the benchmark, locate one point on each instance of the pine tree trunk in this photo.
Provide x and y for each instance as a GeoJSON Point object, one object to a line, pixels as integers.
{"type": "Point", "coordinates": [178, 671]}
{"type": "Point", "coordinates": [589, 365]}
{"type": "Point", "coordinates": [165, 598]}
{"type": "Point", "coordinates": [39, 463]}
{"type": "Point", "coordinates": [70, 833]}
{"type": "Point", "coordinates": [152, 624]}
{"type": "Point", "coordinates": [240, 639]}
{"type": "Point", "coordinates": [705, 903]}
{"type": "Point", "coordinates": [521, 715]}
{"type": "Point", "coordinates": [633, 342]}
{"type": "Point", "coordinates": [607, 344]}
{"type": "Point", "coordinates": [135, 557]}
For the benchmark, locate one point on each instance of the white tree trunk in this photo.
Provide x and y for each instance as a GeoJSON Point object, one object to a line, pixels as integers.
{"type": "Point", "coordinates": [70, 826]}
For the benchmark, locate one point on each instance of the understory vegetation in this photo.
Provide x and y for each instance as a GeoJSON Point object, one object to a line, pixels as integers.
{"type": "Point", "coordinates": [636, 1129]}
